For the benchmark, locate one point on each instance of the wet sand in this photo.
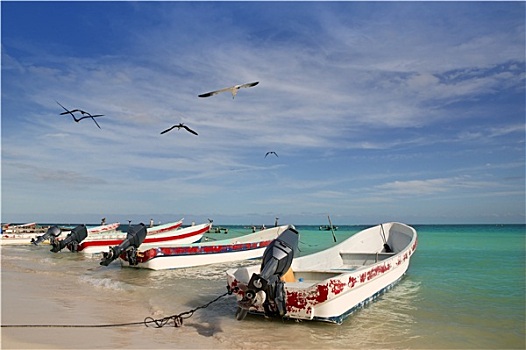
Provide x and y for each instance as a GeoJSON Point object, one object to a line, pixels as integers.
{"type": "Point", "coordinates": [30, 298]}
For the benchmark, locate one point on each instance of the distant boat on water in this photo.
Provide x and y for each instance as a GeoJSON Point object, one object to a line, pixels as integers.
{"type": "Point", "coordinates": [328, 228]}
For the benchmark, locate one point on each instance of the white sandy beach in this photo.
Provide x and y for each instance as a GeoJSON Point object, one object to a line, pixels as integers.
{"type": "Point", "coordinates": [33, 298]}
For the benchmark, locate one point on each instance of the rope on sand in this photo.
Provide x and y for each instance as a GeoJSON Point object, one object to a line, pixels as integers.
{"type": "Point", "coordinates": [177, 320]}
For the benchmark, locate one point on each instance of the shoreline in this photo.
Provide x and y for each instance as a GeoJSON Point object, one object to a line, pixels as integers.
{"type": "Point", "coordinates": [60, 301]}
{"type": "Point", "coordinates": [43, 288]}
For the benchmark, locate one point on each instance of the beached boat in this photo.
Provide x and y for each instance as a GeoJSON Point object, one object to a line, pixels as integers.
{"type": "Point", "coordinates": [104, 229]}
{"type": "Point", "coordinates": [177, 235]}
{"type": "Point", "coordinates": [96, 242]}
{"type": "Point", "coordinates": [30, 227]}
{"type": "Point", "coordinates": [30, 237]}
{"type": "Point", "coordinates": [21, 234]}
{"type": "Point", "coordinates": [164, 227]}
{"type": "Point", "coordinates": [18, 238]}
{"type": "Point", "coordinates": [331, 284]}
{"type": "Point", "coordinates": [246, 247]}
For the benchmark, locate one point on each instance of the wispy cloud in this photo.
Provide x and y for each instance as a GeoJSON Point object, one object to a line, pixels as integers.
{"type": "Point", "coordinates": [419, 187]}
{"type": "Point", "coordinates": [357, 99]}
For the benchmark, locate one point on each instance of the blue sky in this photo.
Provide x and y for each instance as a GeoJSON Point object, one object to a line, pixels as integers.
{"type": "Point", "coordinates": [399, 111]}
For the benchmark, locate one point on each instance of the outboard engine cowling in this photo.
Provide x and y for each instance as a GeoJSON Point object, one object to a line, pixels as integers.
{"type": "Point", "coordinates": [266, 288]}
{"type": "Point", "coordinates": [52, 233]}
{"type": "Point", "coordinates": [72, 240]}
{"type": "Point", "coordinates": [134, 238]}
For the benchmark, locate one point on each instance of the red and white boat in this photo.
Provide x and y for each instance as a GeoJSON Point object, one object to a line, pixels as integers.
{"type": "Point", "coordinates": [164, 227]}
{"type": "Point", "coordinates": [21, 228]}
{"type": "Point", "coordinates": [105, 229]}
{"type": "Point", "coordinates": [246, 247]}
{"type": "Point", "coordinates": [21, 235]}
{"type": "Point", "coordinates": [164, 237]}
{"type": "Point", "coordinates": [328, 285]}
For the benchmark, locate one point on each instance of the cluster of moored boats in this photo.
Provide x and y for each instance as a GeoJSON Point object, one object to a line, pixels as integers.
{"type": "Point", "coordinates": [325, 286]}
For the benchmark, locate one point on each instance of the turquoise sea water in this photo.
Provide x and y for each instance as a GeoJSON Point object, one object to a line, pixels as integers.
{"type": "Point", "coordinates": [465, 289]}
{"type": "Point", "coordinates": [472, 285]}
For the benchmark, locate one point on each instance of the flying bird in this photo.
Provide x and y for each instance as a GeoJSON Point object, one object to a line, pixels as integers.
{"type": "Point", "coordinates": [232, 89]}
{"type": "Point", "coordinates": [88, 115]}
{"type": "Point", "coordinates": [179, 126]}
{"type": "Point", "coordinates": [84, 114]}
{"type": "Point", "coordinates": [271, 152]}
{"type": "Point", "coordinates": [67, 111]}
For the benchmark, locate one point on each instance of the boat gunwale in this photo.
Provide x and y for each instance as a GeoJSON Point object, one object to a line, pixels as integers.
{"type": "Point", "coordinates": [158, 229]}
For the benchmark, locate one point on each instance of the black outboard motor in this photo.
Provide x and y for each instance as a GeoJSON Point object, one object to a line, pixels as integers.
{"type": "Point", "coordinates": [266, 287]}
{"type": "Point", "coordinates": [134, 238]}
{"type": "Point", "coordinates": [52, 233]}
{"type": "Point", "coordinates": [72, 240]}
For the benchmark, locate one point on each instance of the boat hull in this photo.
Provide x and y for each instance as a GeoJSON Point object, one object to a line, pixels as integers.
{"type": "Point", "coordinates": [330, 285]}
{"type": "Point", "coordinates": [247, 247]}
{"type": "Point", "coordinates": [164, 228]}
{"type": "Point", "coordinates": [167, 262]}
{"type": "Point", "coordinates": [103, 229]}
{"type": "Point", "coordinates": [167, 238]}
{"type": "Point", "coordinates": [337, 309]}
{"type": "Point", "coordinates": [19, 239]}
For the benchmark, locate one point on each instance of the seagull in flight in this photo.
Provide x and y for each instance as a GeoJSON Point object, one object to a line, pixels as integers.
{"type": "Point", "coordinates": [271, 152]}
{"type": "Point", "coordinates": [232, 89]}
{"type": "Point", "coordinates": [179, 126]}
{"type": "Point", "coordinates": [84, 114]}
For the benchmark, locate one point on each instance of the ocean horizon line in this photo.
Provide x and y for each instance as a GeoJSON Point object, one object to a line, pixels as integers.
{"type": "Point", "coordinates": [188, 223]}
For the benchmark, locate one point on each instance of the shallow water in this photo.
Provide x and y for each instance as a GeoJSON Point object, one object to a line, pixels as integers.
{"type": "Point", "coordinates": [465, 289]}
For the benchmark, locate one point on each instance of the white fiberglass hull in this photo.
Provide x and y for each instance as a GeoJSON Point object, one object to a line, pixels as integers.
{"type": "Point", "coordinates": [25, 238]}
{"type": "Point", "coordinates": [331, 284]}
{"type": "Point", "coordinates": [182, 261]}
{"type": "Point", "coordinates": [246, 247]}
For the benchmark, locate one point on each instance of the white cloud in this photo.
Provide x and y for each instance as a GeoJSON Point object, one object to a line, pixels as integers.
{"type": "Point", "coordinates": [338, 93]}
{"type": "Point", "coordinates": [434, 186]}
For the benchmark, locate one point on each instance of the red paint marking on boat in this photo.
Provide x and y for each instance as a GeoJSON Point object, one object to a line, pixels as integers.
{"type": "Point", "coordinates": [352, 282]}
{"type": "Point", "coordinates": [323, 293]}
{"type": "Point", "coordinates": [194, 250]}
{"type": "Point", "coordinates": [378, 270]}
{"type": "Point", "coordinates": [298, 300]}
{"type": "Point", "coordinates": [363, 276]}
{"type": "Point", "coordinates": [414, 245]}
{"type": "Point", "coordinates": [336, 286]}
{"type": "Point", "coordinates": [106, 228]}
{"type": "Point", "coordinates": [169, 228]}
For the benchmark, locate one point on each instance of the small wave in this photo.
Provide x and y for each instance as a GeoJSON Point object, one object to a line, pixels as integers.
{"type": "Point", "coordinates": [105, 283]}
{"type": "Point", "coordinates": [47, 261]}
{"type": "Point", "coordinates": [213, 272]}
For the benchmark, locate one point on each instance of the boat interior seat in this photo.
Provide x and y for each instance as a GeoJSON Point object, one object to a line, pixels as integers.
{"type": "Point", "coordinates": [288, 276]}
{"type": "Point", "coordinates": [307, 276]}
{"type": "Point", "coordinates": [357, 258]}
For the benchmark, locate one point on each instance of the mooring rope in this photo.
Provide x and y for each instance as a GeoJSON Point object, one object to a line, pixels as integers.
{"type": "Point", "coordinates": [178, 319]}
{"type": "Point", "coordinates": [161, 322]}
